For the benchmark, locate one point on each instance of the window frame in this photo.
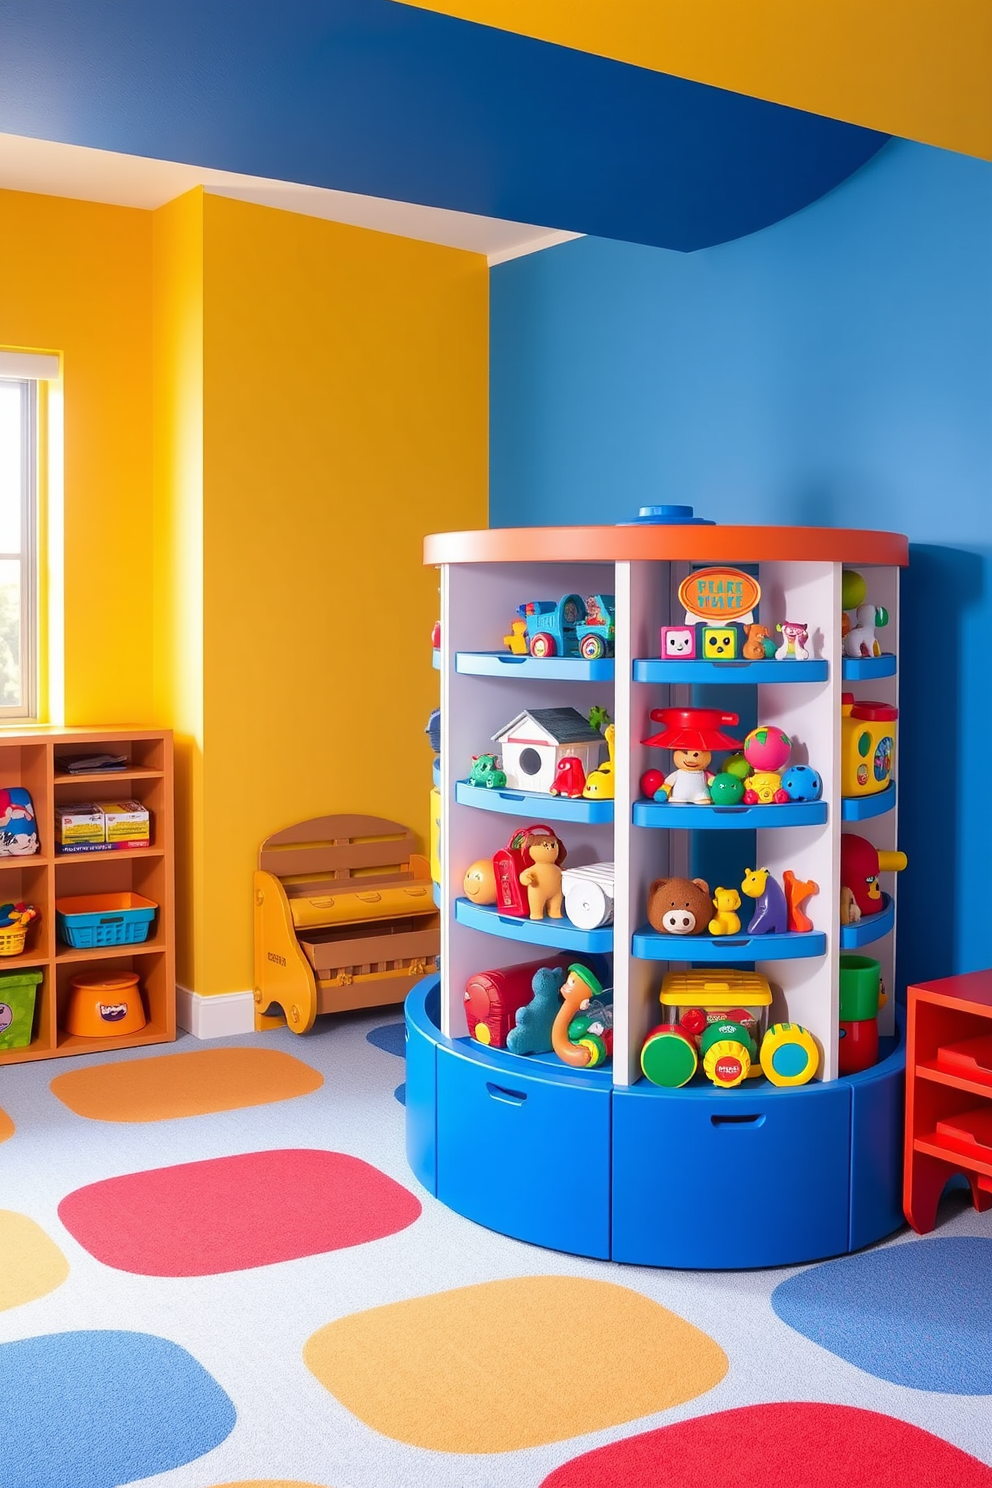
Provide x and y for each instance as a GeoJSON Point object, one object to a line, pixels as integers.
{"type": "Point", "coordinates": [27, 557]}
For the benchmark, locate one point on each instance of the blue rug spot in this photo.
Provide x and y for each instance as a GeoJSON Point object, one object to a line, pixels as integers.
{"type": "Point", "coordinates": [97, 1409]}
{"type": "Point", "coordinates": [917, 1314]}
{"type": "Point", "coordinates": [391, 1037]}
{"type": "Point", "coordinates": [400, 1093]}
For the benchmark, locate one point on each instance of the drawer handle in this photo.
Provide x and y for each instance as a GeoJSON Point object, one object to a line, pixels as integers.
{"type": "Point", "coordinates": [735, 1120]}
{"type": "Point", "coordinates": [111, 919]}
{"type": "Point", "coordinates": [509, 796]}
{"type": "Point", "coordinates": [508, 1097]}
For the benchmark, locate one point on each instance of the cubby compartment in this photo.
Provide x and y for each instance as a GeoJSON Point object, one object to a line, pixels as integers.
{"type": "Point", "coordinates": [32, 761]}
{"type": "Point", "coordinates": [157, 996]}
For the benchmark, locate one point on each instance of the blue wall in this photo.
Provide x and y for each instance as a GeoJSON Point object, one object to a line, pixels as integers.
{"type": "Point", "coordinates": [834, 369]}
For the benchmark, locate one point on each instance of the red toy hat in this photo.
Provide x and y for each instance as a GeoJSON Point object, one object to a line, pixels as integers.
{"type": "Point", "coordinates": [692, 728]}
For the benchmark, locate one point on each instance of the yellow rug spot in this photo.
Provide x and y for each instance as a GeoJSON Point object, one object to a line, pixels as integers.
{"type": "Point", "coordinates": [196, 1084]}
{"type": "Point", "coordinates": [6, 1126]}
{"type": "Point", "coordinates": [32, 1265]}
{"type": "Point", "coordinates": [512, 1364]}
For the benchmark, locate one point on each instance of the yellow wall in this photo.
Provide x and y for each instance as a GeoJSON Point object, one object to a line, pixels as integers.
{"type": "Point", "coordinates": [177, 318]}
{"type": "Point", "coordinates": [75, 277]}
{"type": "Point", "coordinates": [345, 415]}
{"type": "Point", "coordinates": [916, 68]}
{"type": "Point", "coordinates": [270, 411]}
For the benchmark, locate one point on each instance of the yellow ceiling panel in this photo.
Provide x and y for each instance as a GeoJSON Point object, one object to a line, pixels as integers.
{"type": "Point", "coordinates": [920, 69]}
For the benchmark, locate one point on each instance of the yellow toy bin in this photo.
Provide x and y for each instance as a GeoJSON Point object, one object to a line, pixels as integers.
{"type": "Point", "coordinates": [868, 746]}
{"type": "Point", "coordinates": [695, 999]}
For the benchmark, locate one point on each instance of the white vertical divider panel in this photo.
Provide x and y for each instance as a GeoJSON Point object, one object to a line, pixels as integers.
{"type": "Point", "coordinates": [883, 831]}
{"type": "Point", "coordinates": [478, 603]}
{"type": "Point", "coordinates": [807, 990]}
{"type": "Point", "coordinates": [641, 853]}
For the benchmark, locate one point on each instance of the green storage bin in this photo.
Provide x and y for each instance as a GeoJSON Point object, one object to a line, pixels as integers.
{"type": "Point", "coordinates": [17, 994]}
{"type": "Point", "coordinates": [860, 988]}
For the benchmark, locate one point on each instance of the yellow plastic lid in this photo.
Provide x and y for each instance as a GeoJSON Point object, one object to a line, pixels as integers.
{"type": "Point", "coordinates": [715, 988]}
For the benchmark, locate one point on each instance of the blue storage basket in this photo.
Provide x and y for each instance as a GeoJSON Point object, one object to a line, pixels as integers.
{"type": "Point", "coordinates": [89, 920]}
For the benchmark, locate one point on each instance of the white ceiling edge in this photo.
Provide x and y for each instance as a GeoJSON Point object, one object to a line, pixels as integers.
{"type": "Point", "coordinates": [48, 168]}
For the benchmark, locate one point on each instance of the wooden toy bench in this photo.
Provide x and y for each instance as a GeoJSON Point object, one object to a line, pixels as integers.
{"type": "Point", "coordinates": [344, 918]}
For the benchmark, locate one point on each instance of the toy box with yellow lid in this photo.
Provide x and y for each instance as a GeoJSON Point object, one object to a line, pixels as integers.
{"type": "Point", "coordinates": [718, 1020]}
{"type": "Point", "coordinates": [868, 746]}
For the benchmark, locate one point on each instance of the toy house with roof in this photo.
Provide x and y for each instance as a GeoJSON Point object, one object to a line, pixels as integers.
{"type": "Point", "coordinates": [532, 744]}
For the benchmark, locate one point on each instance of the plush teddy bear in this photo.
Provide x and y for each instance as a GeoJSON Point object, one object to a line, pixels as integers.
{"type": "Point", "coordinates": [680, 906]}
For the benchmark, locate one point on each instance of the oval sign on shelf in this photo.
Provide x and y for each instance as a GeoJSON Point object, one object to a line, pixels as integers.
{"type": "Point", "coordinates": [715, 594]}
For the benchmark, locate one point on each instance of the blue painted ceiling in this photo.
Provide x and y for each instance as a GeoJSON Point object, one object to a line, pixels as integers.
{"type": "Point", "coordinates": [380, 98]}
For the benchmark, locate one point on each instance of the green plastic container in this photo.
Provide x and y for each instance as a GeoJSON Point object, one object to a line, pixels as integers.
{"type": "Point", "coordinates": [860, 988]}
{"type": "Point", "coordinates": [17, 995]}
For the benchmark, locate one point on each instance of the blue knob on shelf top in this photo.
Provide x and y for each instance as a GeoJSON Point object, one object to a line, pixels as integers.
{"type": "Point", "coordinates": [671, 516]}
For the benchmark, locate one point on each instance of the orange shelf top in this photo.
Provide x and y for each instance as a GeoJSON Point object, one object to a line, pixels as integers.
{"type": "Point", "coordinates": [749, 544]}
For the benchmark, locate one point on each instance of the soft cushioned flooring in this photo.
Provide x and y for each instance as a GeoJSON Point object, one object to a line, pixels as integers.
{"type": "Point", "coordinates": [216, 1271]}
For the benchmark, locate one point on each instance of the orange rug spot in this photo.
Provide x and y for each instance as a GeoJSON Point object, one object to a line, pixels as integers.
{"type": "Point", "coordinates": [6, 1126]}
{"type": "Point", "coordinates": [32, 1265]}
{"type": "Point", "coordinates": [196, 1084]}
{"type": "Point", "coordinates": [512, 1364]}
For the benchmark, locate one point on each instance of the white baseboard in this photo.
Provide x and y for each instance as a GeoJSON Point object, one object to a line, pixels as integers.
{"type": "Point", "coordinates": [224, 1016]}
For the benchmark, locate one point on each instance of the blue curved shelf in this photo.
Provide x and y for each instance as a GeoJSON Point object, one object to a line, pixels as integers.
{"type": "Point", "coordinates": [867, 931]}
{"type": "Point", "coordinates": [562, 935]}
{"type": "Point", "coordinates": [863, 808]}
{"type": "Point", "coordinates": [436, 769]}
{"type": "Point", "coordinates": [559, 668]}
{"type": "Point", "coordinates": [436, 660]}
{"type": "Point", "coordinates": [536, 804]}
{"type": "Point", "coordinates": [864, 668]}
{"type": "Point", "coordinates": [648, 945]}
{"type": "Point", "coordinates": [731, 672]}
{"type": "Point", "coordinates": [689, 818]}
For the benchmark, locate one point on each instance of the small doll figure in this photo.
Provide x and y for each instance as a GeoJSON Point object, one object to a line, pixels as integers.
{"type": "Point", "coordinates": [542, 879]}
{"type": "Point", "coordinates": [691, 734]}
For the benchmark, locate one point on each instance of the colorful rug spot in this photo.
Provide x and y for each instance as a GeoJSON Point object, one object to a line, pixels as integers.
{"type": "Point", "coordinates": [168, 1086]}
{"type": "Point", "coordinates": [32, 1265]}
{"type": "Point", "coordinates": [512, 1364]}
{"type": "Point", "coordinates": [917, 1314]}
{"type": "Point", "coordinates": [236, 1213]}
{"type": "Point", "coordinates": [97, 1409]}
{"type": "Point", "coordinates": [6, 1126]}
{"type": "Point", "coordinates": [789, 1445]}
{"type": "Point", "coordinates": [391, 1038]}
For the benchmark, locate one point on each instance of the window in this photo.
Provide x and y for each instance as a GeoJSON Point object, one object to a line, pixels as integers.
{"type": "Point", "coordinates": [18, 547]}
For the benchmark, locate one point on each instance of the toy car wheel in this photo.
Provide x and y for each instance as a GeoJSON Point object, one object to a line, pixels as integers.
{"type": "Point", "coordinates": [542, 644]}
{"type": "Point", "coordinates": [592, 647]}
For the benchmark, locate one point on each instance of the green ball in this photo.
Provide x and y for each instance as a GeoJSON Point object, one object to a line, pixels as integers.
{"type": "Point", "coordinates": [737, 765]}
{"type": "Point", "coordinates": [726, 790]}
{"type": "Point", "coordinates": [852, 590]}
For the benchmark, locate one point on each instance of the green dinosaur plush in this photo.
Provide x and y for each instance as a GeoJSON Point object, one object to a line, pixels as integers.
{"type": "Point", "coordinates": [532, 1031]}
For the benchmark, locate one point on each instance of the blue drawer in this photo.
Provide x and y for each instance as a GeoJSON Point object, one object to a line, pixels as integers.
{"type": "Point", "coordinates": [525, 1153]}
{"type": "Point", "coordinates": [422, 1016]}
{"type": "Point", "coordinates": [877, 1113]}
{"type": "Point", "coordinates": [712, 1180]}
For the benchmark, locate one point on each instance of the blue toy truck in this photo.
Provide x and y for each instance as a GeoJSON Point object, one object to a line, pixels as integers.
{"type": "Point", "coordinates": [570, 626]}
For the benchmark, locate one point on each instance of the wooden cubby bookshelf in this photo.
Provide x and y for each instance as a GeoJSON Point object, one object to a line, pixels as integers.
{"type": "Point", "coordinates": [29, 759]}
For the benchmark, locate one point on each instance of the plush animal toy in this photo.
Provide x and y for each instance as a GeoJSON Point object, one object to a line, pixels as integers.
{"type": "Point", "coordinates": [680, 906]}
{"type": "Point", "coordinates": [531, 1033]}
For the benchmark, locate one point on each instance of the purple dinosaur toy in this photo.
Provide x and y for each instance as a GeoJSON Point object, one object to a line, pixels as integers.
{"type": "Point", "coordinates": [771, 913]}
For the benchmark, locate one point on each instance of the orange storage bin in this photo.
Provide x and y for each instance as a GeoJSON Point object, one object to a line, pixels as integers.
{"type": "Point", "coordinates": [104, 1004]}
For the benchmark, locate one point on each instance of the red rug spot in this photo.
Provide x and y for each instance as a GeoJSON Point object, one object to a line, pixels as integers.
{"type": "Point", "coordinates": [791, 1444]}
{"type": "Point", "coordinates": [236, 1213]}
